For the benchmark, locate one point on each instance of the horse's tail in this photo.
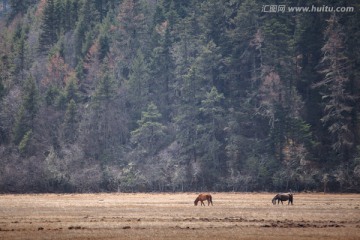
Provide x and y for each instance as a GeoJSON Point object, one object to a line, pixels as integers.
{"type": "Point", "coordinates": [210, 199]}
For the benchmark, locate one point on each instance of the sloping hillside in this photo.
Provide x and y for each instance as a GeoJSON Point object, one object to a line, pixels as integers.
{"type": "Point", "coordinates": [145, 95]}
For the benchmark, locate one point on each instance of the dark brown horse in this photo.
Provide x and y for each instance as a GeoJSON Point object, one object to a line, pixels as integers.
{"type": "Point", "coordinates": [202, 197]}
{"type": "Point", "coordinates": [283, 197]}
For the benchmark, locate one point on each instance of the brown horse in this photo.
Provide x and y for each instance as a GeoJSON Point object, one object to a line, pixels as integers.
{"type": "Point", "coordinates": [283, 197]}
{"type": "Point", "coordinates": [202, 197]}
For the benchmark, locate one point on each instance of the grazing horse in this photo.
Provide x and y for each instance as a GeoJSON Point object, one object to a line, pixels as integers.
{"type": "Point", "coordinates": [202, 197]}
{"type": "Point", "coordinates": [283, 197]}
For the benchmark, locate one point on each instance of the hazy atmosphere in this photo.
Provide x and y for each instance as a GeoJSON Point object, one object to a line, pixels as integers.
{"type": "Point", "coordinates": [172, 95]}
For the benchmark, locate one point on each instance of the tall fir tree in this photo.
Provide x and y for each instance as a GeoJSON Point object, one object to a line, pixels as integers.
{"type": "Point", "coordinates": [138, 85]}
{"type": "Point", "coordinates": [20, 53]}
{"type": "Point", "coordinates": [28, 110]}
{"type": "Point", "coordinates": [210, 130]}
{"type": "Point", "coordinates": [49, 27]}
{"type": "Point", "coordinates": [334, 88]}
{"type": "Point", "coordinates": [149, 136]}
{"type": "Point", "coordinates": [70, 122]}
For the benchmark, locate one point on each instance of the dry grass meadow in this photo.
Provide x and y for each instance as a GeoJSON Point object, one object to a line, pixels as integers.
{"type": "Point", "coordinates": [174, 216]}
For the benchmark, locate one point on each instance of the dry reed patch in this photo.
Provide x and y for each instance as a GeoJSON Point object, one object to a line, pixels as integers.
{"type": "Point", "coordinates": [164, 215]}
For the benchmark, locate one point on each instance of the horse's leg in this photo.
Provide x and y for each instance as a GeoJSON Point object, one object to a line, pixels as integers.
{"type": "Point", "coordinates": [202, 203]}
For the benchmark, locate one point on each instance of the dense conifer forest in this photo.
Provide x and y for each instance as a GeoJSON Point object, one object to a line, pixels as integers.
{"type": "Point", "coordinates": [175, 95]}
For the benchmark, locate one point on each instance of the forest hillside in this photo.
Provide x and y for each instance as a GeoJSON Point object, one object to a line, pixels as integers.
{"type": "Point", "coordinates": [173, 95]}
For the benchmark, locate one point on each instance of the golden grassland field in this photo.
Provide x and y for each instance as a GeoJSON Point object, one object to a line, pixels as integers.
{"type": "Point", "coordinates": [174, 216]}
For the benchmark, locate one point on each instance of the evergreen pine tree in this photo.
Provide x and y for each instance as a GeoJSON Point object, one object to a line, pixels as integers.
{"type": "Point", "coordinates": [131, 36]}
{"type": "Point", "coordinates": [338, 102]}
{"type": "Point", "coordinates": [72, 89]}
{"type": "Point", "coordinates": [150, 133]}
{"type": "Point", "coordinates": [210, 133]}
{"type": "Point", "coordinates": [161, 70]}
{"type": "Point", "coordinates": [27, 111]}
{"type": "Point", "coordinates": [70, 122]}
{"type": "Point", "coordinates": [19, 6]}
{"type": "Point", "coordinates": [20, 52]}
{"type": "Point", "coordinates": [49, 27]}
{"type": "Point", "coordinates": [138, 84]}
